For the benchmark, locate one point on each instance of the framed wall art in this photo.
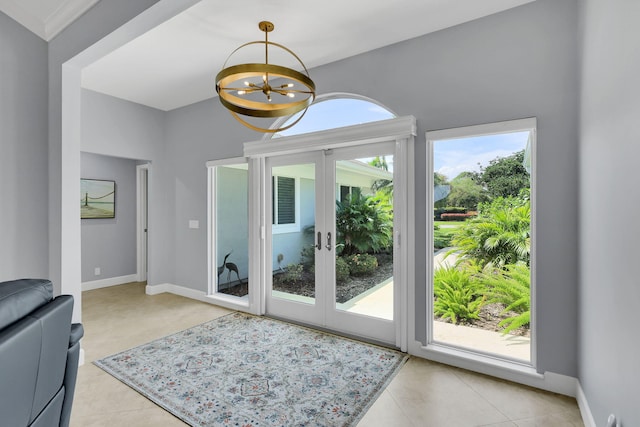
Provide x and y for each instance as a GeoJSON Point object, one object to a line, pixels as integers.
{"type": "Point", "coordinates": [97, 198]}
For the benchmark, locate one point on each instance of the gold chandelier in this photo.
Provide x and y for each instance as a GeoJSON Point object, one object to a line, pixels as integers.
{"type": "Point", "coordinates": [249, 89]}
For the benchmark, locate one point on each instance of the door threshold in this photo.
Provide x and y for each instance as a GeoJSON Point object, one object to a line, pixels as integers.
{"type": "Point", "coordinates": [334, 332]}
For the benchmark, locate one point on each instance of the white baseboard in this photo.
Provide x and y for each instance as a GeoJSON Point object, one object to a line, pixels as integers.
{"type": "Point", "coordinates": [176, 290]}
{"type": "Point", "coordinates": [242, 305]}
{"type": "Point", "coordinates": [111, 281]}
{"type": "Point", "coordinates": [497, 367]}
{"type": "Point", "coordinates": [585, 411]}
{"type": "Point", "coordinates": [81, 357]}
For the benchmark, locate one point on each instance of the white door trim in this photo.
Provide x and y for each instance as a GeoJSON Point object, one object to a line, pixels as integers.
{"type": "Point", "coordinates": [401, 130]}
{"type": "Point", "coordinates": [142, 215]}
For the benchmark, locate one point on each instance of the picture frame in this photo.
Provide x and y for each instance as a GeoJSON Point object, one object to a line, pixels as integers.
{"type": "Point", "coordinates": [97, 198]}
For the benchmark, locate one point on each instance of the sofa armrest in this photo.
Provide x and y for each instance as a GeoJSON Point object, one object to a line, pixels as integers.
{"type": "Point", "coordinates": [77, 332]}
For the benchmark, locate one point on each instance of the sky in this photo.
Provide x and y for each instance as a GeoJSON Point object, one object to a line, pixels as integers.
{"type": "Point", "coordinates": [451, 157]}
{"type": "Point", "coordinates": [337, 113]}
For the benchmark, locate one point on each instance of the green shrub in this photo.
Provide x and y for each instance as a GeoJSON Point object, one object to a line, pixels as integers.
{"type": "Point", "coordinates": [456, 216]}
{"type": "Point", "coordinates": [437, 212]}
{"type": "Point", "coordinates": [458, 296]}
{"type": "Point", "coordinates": [292, 273]}
{"type": "Point", "coordinates": [500, 235]}
{"type": "Point", "coordinates": [308, 257]}
{"type": "Point", "coordinates": [361, 264]}
{"type": "Point", "coordinates": [342, 270]}
{"type": "Point", "coordinates": [364, 224]}
{"type": "Point", "coordinates": [511, 288]}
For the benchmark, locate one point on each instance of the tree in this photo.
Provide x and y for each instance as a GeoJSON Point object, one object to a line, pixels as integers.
{"type": "Point", "coordinates": [384, 186]}
{"type": "Point", "coordinates": [466, 192]}
{"type": "Point", "coordinates": [505, 176]}
{"type": "Point", "coordinates": [439, 179]}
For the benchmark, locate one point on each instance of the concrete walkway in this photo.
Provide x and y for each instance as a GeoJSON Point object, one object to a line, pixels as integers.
{"type": "Point", "coordinates": [378, 302]}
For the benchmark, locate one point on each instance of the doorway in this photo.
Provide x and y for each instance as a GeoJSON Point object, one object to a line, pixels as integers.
{"type": "Point", "coordinates": [330, 259]}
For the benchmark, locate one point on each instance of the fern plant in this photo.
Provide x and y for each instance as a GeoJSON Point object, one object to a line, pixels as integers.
{"type": "Point", "coordinates": [458, 296]}
{"type": "Point", "coordinates": [511, 288]}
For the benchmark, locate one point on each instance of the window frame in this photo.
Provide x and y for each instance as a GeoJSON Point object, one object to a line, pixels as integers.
{"type": "Point", "coordinates": [213, 295]}
{"type": "Point", "coordinates": [479, 361]}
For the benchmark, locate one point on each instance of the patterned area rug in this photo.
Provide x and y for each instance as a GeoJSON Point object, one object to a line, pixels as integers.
{"type": "Point", "coordinates": [248, 371]}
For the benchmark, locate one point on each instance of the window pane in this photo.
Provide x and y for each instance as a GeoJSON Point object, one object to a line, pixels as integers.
{"type": "Point", "coordinates": [231, 232]}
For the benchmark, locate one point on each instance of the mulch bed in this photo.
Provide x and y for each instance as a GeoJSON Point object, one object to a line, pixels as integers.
{"type": "Point", "coordinates": [490, 314]}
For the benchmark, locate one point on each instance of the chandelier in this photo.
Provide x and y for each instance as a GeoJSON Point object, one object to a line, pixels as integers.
{"type": "Point", "coordinates": [265, 90]}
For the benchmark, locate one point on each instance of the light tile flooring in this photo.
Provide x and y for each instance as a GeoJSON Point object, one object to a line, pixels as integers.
{"type": "Point", "coordinates": [424, 393]}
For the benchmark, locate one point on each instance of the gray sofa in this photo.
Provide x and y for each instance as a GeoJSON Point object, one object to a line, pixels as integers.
{"type": "Point", "coordinates": [39, 350]}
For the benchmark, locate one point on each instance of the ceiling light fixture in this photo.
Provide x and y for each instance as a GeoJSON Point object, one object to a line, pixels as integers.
{"type": "Point", "coordinates": [265, 90]}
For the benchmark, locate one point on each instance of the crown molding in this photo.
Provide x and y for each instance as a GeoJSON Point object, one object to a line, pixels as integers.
{"type": "Point", "coordinates": [29, 15]}
{"type": "Point", "coordinates": [68, 12]}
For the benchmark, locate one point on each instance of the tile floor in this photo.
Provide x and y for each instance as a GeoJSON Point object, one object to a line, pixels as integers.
{"type": "Point", "coordinates": [424, 393]}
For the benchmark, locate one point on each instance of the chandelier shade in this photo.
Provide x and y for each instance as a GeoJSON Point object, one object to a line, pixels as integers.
{"type": "Point", "coordinates": [264, 90]}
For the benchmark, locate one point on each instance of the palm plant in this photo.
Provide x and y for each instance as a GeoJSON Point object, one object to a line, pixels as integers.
{"type": "Point", "coordinates": [500, 235]}
{"type": "Point", "coordinates": [364, 224]}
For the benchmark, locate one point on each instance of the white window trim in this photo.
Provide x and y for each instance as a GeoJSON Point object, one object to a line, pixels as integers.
{"type": "Point", "coordinates": [295, 227]}
{"type": "Point", "coordinates": [524, 373]}
{"type": "Point", "coordinates": [221, 299]}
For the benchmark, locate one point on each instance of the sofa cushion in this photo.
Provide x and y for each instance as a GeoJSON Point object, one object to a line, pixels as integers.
{"type": "Point", "coordinates": [21, 297]}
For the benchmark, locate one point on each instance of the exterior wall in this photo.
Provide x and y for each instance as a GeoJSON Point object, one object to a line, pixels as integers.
{"type": "Point", "coordinates": [609, 293]}
{"type": "Point", "coordinates": [23, 153]}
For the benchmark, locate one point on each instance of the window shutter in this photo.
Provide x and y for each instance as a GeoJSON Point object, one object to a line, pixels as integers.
{"type": "Point", "coordinates": [286, 200]}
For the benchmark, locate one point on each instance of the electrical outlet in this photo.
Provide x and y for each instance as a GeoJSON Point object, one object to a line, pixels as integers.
{"type": "Point", "coordinates": [97, 271]}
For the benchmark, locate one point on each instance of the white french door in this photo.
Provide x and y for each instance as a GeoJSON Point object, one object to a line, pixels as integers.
{"type": "Point", "coordinates": [306, 194]}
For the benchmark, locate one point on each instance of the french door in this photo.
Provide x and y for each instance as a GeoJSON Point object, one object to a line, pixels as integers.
{"type": "Point", "coordinates": [330, 245]}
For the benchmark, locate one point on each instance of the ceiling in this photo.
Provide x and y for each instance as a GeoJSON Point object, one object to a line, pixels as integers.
{"type": "Point", "coordinates": [175, 63]}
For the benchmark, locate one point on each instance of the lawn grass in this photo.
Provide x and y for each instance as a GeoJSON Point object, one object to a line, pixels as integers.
{"type": "Point", "coordinates": [442, 236]}
{"type": "Point", "coordinates": [448, 224]}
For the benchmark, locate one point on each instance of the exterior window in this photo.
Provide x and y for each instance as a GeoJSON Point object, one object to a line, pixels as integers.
{"type": "Point", "coordinates": [483, 204]}
{"type": "Point", "coordinates": [346, 192]}
{"type": "Point", "coordinates": [229, 230]}
{"type": "Point", "coordinates": [285, 206]}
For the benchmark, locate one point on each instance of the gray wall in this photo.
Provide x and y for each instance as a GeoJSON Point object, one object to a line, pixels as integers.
{"type": "Point", "coordinates": [110, 243]}
{"type": "Point", "coordinates": [96, 23]}
{"type": "Point", "coordinates": [23, 153]}
{"type": "Point", "coordinates": [195, 134]}
{"type": "Point", "coordinates": [519, 63]}
{"type": "Point", "coordinates": [609, 151]}
{"type": "Point", "coordinates": [114, 127]}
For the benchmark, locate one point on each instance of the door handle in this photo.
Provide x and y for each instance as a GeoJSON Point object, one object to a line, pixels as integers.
{"type": "Point", "coordinates": [319, 245]}
{"type": "Point", "coordinates": [328, 241]}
